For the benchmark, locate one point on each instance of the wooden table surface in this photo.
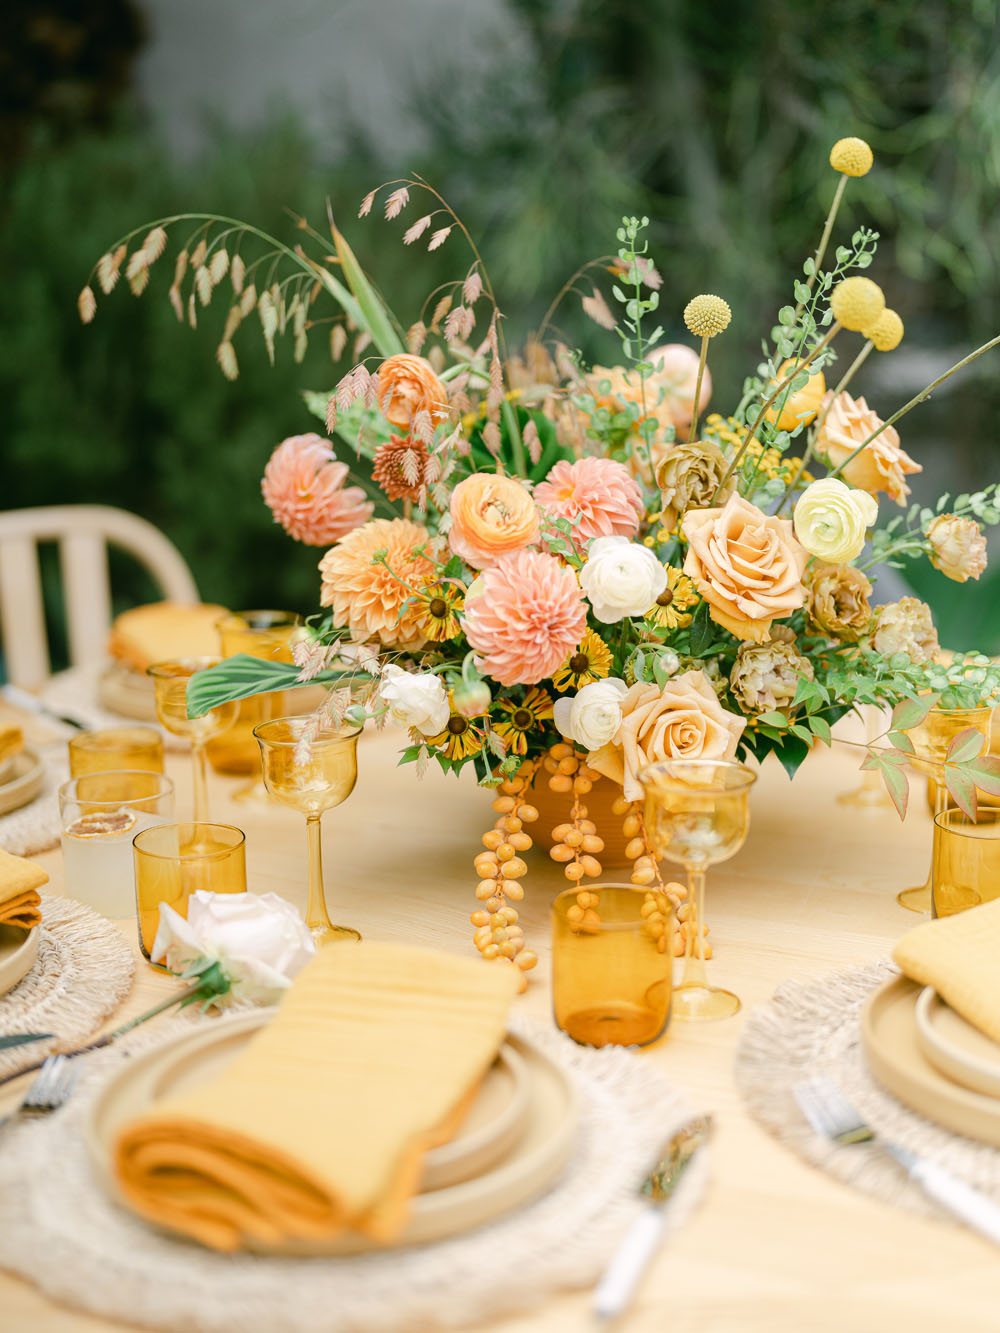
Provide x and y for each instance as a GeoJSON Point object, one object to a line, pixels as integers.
{"type": "Point", "coordinates": [775, 1244]}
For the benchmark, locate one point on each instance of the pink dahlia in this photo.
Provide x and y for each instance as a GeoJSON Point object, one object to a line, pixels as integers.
{"type": "Point", "coordinates": [600, 495]}
{"type": "Point", "coordinates": [528, 618]}
{"type": "Point", "coordinates": [303, 486]}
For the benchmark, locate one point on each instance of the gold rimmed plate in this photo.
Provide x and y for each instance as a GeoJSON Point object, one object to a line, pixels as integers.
{"type": "Point", "coordinates": [514, 1141]}
{"type": "Point", "coordinates": [18, 951]}
{"type": "Point", "coordinates": [25, 778]}
{"type": "Point", "coordinates": [892, 1046]}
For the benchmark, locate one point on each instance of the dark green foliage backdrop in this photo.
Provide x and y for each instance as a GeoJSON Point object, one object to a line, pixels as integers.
{"type": "Point", "coordinates": [715, 120]}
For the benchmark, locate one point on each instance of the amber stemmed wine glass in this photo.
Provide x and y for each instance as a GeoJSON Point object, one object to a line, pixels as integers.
{"type": "Point", "coordinates": [697, 814]}
{"type": "Point", "coordinates": [171, 680]}
{"type": "Point", "coordinates": [931, 740]}
{"type": "Point", "coordinates": [312, 768]}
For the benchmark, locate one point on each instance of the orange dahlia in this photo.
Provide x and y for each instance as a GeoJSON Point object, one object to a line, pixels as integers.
{"type": "Point", "coordinates": [369, 575]}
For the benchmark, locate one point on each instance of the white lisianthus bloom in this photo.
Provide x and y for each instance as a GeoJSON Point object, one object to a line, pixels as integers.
{"type": "Point", "coordinates": [592, 716]}
{"type": "Point", "coordinates": [414, 699]}
{"type": "Point", "coordinates": [831, 520]}
{"type": "Point", "coordinates": [621, 578]}
{"type": "Point", "coordinates": [259, 940]}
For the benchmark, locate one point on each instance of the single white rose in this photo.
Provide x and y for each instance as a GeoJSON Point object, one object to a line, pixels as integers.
{"type": "Point", "coordinates": [259, 940]}
{"type": "Point", "coordinates": [593, 715]}
{"type": "Point", "coordinates": [621, 578]}
{"type": "Point", "coordinates": [417, 700]}
{"type": "Point", "coordinates": [831, 520]}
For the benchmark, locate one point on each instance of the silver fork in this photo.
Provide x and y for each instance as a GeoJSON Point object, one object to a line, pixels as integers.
{"type": "Point", "coordinates": [49, 1090]}
{"type": "Point", "coordinates": [834, 1117]}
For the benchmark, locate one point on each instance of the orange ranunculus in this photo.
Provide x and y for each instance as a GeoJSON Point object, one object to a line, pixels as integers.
{"type": "Point", "coordinates": [882, 466]}
{"type": "Point", "coordinates": [491, 516]}
{"type": "Point", "coordinates": [746, 565]}
{"type": "Point", "coordinates": [407, 385]}
{"type": "Point", "coordinates": [802, 405]}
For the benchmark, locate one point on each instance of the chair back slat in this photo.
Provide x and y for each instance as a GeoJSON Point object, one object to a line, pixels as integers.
{"type": "Point", "coordinates": [83, 533]}
{"type": "Point", "coordinates": [83, 559]}
{"type": "Point", "coordinates": [22, 614]}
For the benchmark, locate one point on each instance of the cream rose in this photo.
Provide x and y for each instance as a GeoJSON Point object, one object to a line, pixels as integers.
{"type": "Point", "coordinates": [592, 716]}
{"type": "Point", "coordinates": [832, 520]}
{"type": "Point", "coordinates": [683, 720]}
{"type": "Point", "coordinates": [414, 699]}
{"type": "Point", "coordinates": [882, 466]}
{"type": "Point", "coordinates": [958, 547]}
{"type": "Point", "coordinates": [747, 566]}
{"type": "Point", "coordinates": [259, 940]}
{"type": "Point", "coordinates": [621, 578]}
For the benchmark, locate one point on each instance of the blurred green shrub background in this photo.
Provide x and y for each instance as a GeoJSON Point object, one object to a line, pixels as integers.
{"type": "Point", "coordinates": [714, 120]}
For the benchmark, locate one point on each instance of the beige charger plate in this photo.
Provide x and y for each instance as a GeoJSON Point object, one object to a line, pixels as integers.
{"type": "Point", "coordinates": [18, 951]}
{"type": "Point", "coordinates": [126, 692]}
{"type": "Point", "coordinates": [960, 1051]}
{"type": "Point", "coordinates": [891, 1043]}
{"type": "Point", "coordinates": [506, 1169]}
{"type": "Point", "coordinates": [24, 780]}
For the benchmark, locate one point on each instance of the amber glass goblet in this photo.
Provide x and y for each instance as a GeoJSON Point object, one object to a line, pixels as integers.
{"type": "Point", "coordinates": [172, 861]}
{"type": "Point", "coordinates": [698, 814]}
{"type": "Point", "coordinates": [107, 749]}
{"type": "Point", "coordinates": [312, 769]}
{"type": "Point", "coordinates": [966, 864]}
{"type": "Point", "coordinates": [931, 739]}
{"type": "Point", "coordinates": [267, 635]}
{"type": "Point", "coordinates": [171, 680]}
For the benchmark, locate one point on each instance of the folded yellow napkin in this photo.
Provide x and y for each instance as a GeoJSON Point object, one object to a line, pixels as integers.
{"type": "Point", "coordinates": [20, 881]}
{"type": "Point", "coordinates": [11, 741]}
{"type": "Point", "coordinates": [322, 1121]}
{"type": "Point", "coordinates": [959, 956]}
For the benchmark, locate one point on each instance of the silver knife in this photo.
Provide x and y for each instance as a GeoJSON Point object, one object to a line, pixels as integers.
{"type": "Point", "coordinates": [614, 1290]}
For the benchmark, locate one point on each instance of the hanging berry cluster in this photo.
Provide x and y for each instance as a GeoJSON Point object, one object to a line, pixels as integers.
{"type": "Point", "coordinates": [575, 845]}
{"type": "Point", "coordinates": [646, 872]}
{"type": "Point", "coordinates": [499, 867]}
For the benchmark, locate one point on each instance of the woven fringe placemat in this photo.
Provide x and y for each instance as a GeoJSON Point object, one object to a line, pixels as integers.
{"type": "Point", "coordinates": [36, 826]}
{"type": "Point", "coordinates": [82, 973]}
{"type": "Point", "coordinates": [59, 1230]}
{"type": "Point", "coordinates": [815, 1028]}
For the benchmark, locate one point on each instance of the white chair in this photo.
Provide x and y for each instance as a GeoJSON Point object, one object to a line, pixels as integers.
{"type": "Point", "coordinates": [83, 533]}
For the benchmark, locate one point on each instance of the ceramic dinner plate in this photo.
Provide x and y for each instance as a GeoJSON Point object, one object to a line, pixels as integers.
{"type": "Point", "coordinates": [126, 692]}
{"type": "Point", "coordinates": [23, 782]}
{"type": "Point", "coordinates": [18, 951]}
{"type": "Point", "coordinates": [892, 1044]}
{"type": "Point", "coordinates": [960, 1051]}
{"type": "Point", "coordinates": [514, 1141]}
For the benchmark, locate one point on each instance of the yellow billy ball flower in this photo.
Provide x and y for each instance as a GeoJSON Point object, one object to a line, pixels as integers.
{"type": "Point", "coordinates": [706, 316]}
{"type": "Point", "coordinates": [887, 331]}
{"type": "Point", "coordinates": [851, 156]}
{"type": "Point", "coordinates": [857, 303]}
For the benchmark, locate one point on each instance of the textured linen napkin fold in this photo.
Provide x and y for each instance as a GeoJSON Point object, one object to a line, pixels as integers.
{"type": "Point", "coordinates": [20, 881]}
{"type": "Point", "coordinates": [959, 956]}
{"type": "Point", "coordinates": [321, 1123]}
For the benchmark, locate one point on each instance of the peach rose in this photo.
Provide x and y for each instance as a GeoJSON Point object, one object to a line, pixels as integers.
{"type": "Point", "coordinates": [407, 385]}
{"type": "Point", "coordinates": [747, 566]}
{"type": "Point", "coordinates": [681, 720]}
{"type": "Point", "coordinates": [882, 466]}
{"type": "Point", "coordinates": [491, 516]}
{"type": "Point", "coordinates": [958, 547]}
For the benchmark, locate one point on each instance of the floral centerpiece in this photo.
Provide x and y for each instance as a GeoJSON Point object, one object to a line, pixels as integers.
{"type": "Point", "coordinates": [554, 574]}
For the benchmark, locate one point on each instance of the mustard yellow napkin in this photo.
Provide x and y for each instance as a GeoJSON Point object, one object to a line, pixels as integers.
{"type": "Point", "coordinates": [20, 881]}
{"type": "Point", "coordinates": [959, 956]}
{"type": "Point", "coordinates": [322, 1121]}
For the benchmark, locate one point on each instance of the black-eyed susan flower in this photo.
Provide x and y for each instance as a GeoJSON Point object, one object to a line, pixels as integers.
{"type": "Point", "coordinates": [461, 738]}
{"type": "Point", "coordinates": [672, 609]}
{"type": "Point", "coordinates": [522, 718]}
{"type": "Point", "coordinates": [440, 606]}
{"type": "Point", "coordinates": [590, 662]}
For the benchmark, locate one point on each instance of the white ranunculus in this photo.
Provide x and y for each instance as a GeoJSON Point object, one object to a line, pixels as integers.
{"type": "Point", "coordinates": [259, 940]}
{"type": "Point", "coordinates": [621, 578]}
{"type": "Point", "coordinates": [415, 699]}
{"type": "Point", "coordinates": [832, 520]}
{"type": "Point", "coordinates": [592, 717]}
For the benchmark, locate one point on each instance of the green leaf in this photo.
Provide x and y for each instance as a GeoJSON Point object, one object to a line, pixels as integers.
{"type": "Point", "coordinates": [911, 712]}
{"type": "Point", "coordinates": [803, 733]}
{"type": "Point", "coordinates": [773, 718]}
{"type": "Point", "coordinates": [821, 728]}
{"type": "Point", "coordinates": [372, 314]}
{"type": "Point", "coordinates": [791, 754]}
{"type": "Point", "coordinates": [22, 1039]}
{"type": "Point", "coordinates": [897, 786]}
{"type": "Point", "coordinates": [966, 745]}
{"type": "Point", "coordinates": [901, 741]}
{"type": "Point", "coordinates": [242, 676]}
{"type": "Point", "coordinates": [961, 789]}
{"type": "Point", "coordinates": [701, 631]}
{"type": "Point", "coordinates": [985, 773]}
